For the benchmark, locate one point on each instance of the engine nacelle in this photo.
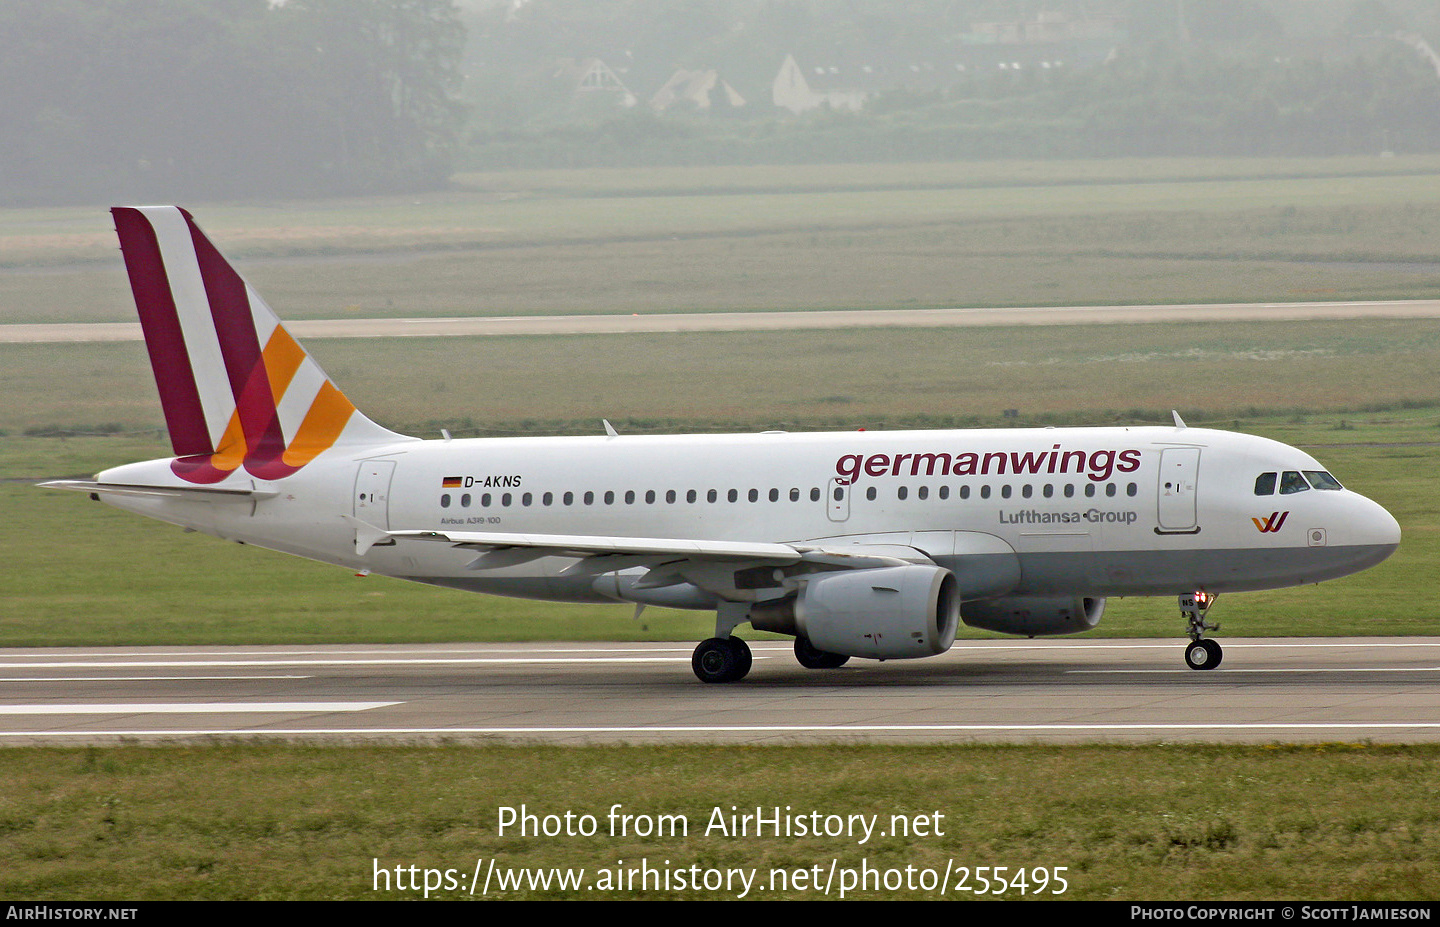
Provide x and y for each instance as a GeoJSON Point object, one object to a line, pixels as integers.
{"type": "Point", "coordinates": [888, 613]}
{"type": "Point", "coordinates": [1034, 615]}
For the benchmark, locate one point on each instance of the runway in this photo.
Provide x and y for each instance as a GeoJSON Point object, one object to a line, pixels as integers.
{"type": "Point", "coordinates": [1384, 690]}
{"type": "Point", "coordinates": [473, 326]}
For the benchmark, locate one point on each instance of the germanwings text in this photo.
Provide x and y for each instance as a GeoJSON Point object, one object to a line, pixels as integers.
{"type": "Point", "coordinates": [1097, 465]}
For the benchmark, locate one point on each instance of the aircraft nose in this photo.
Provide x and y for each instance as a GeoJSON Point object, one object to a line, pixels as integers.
{"type": "Point", "coordinates": [1373, 529]}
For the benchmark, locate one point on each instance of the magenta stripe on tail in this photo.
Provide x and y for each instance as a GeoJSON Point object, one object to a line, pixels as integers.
{"type": "Point", "coordinates": [179, 396]}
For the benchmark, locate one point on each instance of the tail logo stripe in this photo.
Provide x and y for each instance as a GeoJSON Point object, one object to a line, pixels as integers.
{"type": "Point", "coordinates": [164, 336]}
{"type": "Point", "coordinates": [238, 390]}
{"type": "Point", "coordinates": [187, 290]}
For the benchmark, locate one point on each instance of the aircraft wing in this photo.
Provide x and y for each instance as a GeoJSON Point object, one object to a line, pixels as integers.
{"type": "Point", "coordinates": [499, 549]}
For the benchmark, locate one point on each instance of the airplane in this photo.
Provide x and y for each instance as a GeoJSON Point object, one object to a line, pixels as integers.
{"type": "Point", "coordinates": [866, 544]}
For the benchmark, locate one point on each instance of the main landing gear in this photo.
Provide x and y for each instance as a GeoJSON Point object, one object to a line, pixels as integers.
{"type": "Point", "coordinates": [723, 658]}
{"type": "Point", "coordinates": [1202, 653]}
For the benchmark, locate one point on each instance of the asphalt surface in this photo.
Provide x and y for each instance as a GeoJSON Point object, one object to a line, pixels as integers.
{"type": "Point", "coordinates": [1383, 690]}
{"type": "Point", "coordinates": [768, 321]}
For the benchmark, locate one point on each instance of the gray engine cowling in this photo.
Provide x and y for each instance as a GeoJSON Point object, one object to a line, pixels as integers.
{"type": "Point", "coordinates": [1034, 616]}
{"type": "Point", "coordinates": [888, 613]}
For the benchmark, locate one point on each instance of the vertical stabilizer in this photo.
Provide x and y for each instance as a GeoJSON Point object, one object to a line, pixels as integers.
{"type": "Point", "coordinates": [237, 389]}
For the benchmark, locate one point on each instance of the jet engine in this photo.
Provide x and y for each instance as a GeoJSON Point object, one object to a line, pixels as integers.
{"type": "Point", "coordinates": [887, 613]}
{"type": "Point", "coordinates": [1034, 615]}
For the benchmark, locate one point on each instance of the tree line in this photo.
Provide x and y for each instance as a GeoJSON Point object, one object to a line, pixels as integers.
{"type": "Point", "coordinates": [175, 99]}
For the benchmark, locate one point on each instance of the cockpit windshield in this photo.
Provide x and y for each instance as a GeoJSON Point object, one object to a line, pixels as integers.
{"type": "Point", "coordinates": [1293, 481]}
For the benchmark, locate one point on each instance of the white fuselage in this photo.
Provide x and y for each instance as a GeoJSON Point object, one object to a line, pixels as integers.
{"type": "Point", "coordinates": [1063, 511]}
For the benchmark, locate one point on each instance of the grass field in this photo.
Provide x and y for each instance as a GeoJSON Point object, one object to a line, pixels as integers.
{"type": "Point", "coordinates": [1127, 823]}
{"type": "Point", "coordinates": [1158, 822]}
{"type": "Point", "coordinates": [796, 380]}
{"type": "Point", "coordinates": [1136, 232]}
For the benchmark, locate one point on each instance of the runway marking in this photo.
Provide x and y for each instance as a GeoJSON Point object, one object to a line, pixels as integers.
{"type": "Point", "coordinates": [1237, 669]}
{"type": "Point", "coordinates": [331, 651]}
{"type": "Point", "coordinates": [188, 708]}
{"type": "Point", "coordinates": [146, 678]}
{"type": "Point", "coordinates": [112, 659]}
{"type": "Point", "coordinates": [438, 661]}
{"type": "Point", "coordinates": [841, 729]}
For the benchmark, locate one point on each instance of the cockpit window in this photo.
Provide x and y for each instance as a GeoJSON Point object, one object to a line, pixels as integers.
{"type": "Point", "coordinates": [1291, 481]}
{"type": "Point", "coordinates": [1322, 480]}
{"type": "Point", "coordinates": [1265, 484]}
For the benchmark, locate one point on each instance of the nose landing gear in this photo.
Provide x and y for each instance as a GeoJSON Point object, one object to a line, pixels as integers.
{"type": "Point", "coordinates": [1201, 653]}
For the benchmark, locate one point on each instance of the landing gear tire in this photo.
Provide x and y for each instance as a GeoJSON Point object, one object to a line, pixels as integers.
{"type": "Point", "coordinates": [1203, 654]}
{"type": "Point", "coordinates": [812, 657]}
{"type": "Point", "coordinates": [721, 659]}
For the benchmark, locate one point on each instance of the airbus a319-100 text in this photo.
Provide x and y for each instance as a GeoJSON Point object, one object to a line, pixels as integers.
{"type": "Point", "coordinates": [859, 544]}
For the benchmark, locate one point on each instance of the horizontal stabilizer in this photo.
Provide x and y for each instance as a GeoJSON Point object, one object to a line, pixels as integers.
{"type": "Point", "coordinates": [239, 494]}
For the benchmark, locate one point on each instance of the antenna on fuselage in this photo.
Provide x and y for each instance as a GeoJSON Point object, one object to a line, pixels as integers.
{"type": "Point", "coordinates": [610, 431]}
{"type": "Point", "coordinates": [1179, 422]}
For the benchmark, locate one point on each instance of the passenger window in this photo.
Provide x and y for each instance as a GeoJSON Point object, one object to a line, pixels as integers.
{"type": "Point", "coordinates": [1265, 484]}
{"type": "Point", "coordinates": [901, 493]}
{"type": "Point", "coordinates": [1291, 482]}
{"type": "Point", "coordinates": [870, 494]}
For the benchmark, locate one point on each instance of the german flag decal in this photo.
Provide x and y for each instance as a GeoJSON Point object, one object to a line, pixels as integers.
{"type": "Point", "coordinates": [452, 482]}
